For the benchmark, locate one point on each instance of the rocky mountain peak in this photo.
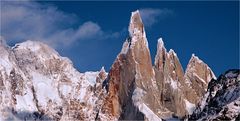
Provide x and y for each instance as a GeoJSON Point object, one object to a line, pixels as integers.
{"type": "Point", "coordinates": [136, 29]}
{"type": "Point", "coordinates": [135, 25]}
{"type": "Point", "coordinates": [163, 56]}
{"type": "Point", "coordinates": [196, 67]}
{"type": "Point", "coordinates": [160, 43]}
{"type": "Point", "coordinates": [36, 83]}
{"type": "Point", "coordinates": [172, 52]}
{"type": "Point", "coordinates": [103, 73]}
{"type": "Point", "coordinates": [167, 60]}
{"type": "Point", "coordinates": [103, 70]}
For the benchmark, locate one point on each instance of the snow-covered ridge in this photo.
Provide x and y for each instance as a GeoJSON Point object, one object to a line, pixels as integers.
{"type": "Point", "coordinates": [36, 80]}
{"type": "Point", "coordinates": [222, 100]}
{"type": "Point", "coordinates": [125, 47]}
{"type": "Point", "coordinates": [135, 23]}
{"type": "Point", "coordinates": [189, 86]}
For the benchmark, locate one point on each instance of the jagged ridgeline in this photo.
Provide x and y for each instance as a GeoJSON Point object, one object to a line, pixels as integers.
{"type": "Point", "coordinates": [36, 83]}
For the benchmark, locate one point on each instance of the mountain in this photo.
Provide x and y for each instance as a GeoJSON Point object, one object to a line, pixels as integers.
{"type": "Point", "coordinates": [222, 100]}
{"type": "Point", "coordinates": [36, 83]}
{"type": "Point", "coordinates": [185, 89]}
{"type": "Point", "coordinates": [131, 84]}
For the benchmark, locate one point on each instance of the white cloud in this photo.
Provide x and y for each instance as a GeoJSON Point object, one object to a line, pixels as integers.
{"type": "Point", "coordinates": [30, 20]}
{"type": "Point", "coordinates": [150, 16]}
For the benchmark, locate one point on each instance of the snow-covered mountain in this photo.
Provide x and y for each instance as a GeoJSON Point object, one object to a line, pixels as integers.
{"type": "Point", "coordinates": [222, 100]}
{"type": "Point", "coordinates": [37, 83]}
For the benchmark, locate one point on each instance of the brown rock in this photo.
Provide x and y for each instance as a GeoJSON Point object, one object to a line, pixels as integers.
{"type": "Point", "coordinates": [132, 69]}
{"type": "Point", "coordinates": [179, 91]}
{"type": "Point", "coordinates": [169, 75]}
{"type": "Point", "coordinates": [197, 76]}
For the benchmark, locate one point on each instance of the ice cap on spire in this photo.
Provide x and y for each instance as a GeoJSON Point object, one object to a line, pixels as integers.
{"type": "Point", "coordinates": [136, 24]}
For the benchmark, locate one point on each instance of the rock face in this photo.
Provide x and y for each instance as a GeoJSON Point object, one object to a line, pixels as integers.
{"type": "Point", "coordinates": [222, 100]}
{"type": "Point", "coordinates": [180, 92]}
{"type": "Point", "coordinates": [164, 88]}
{"type": "Point", "coordinates": [197, 76]}
{"type": "Point", "coordinates": [36, 83]}
{"type": "Point", "coordinates": [132, 86]}
{"type": "Point", "coordinates": [170, 80]}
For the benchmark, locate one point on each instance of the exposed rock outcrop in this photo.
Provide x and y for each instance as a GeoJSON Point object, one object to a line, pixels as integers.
{"type": "Point", "coordinates": [170, 80]}
{"type": "Point", "coordinates": [131, 76]}
{"type": "Point", "coordinates": [180, 91]}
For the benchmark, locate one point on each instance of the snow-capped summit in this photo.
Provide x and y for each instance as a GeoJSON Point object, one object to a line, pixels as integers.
{"type": "Point", "coordinates": [197, 75]}
{"type": "Point", "coordinates": [197, 67]}
{"type": "Point", "coordinates": [37, 83]}
{"type": "Point", "coordinates": [31, 45]}
{"type": "Point", "coordinates": [169, 75]}
{"type": "Point", "coordinates": [161, 52]}
{"type": "Point", "coordinates": [136, 24]}
{"type": "Point", "coordinates": [132, 73]}
{"type": "Point", "coordinates": [186, 89]}
{"type": "Point", "coordinates": [136, 29]}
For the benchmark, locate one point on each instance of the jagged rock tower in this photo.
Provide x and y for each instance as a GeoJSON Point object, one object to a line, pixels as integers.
{"type": "Point", "coordinates": [132, 85]}
{"type": "Point", "coordinates": [135, 85]}
{"type": "Point", "coordinates": [37, 83]}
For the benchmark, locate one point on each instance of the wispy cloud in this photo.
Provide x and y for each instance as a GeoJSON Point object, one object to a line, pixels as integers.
{"type": "Point", "coordinates": [150, 16]}
{"type": "Point", "coordinates": [30, 20]}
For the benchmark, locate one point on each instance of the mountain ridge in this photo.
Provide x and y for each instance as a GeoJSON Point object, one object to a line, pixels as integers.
{"type": "Point", "coordinates": [37, 83]}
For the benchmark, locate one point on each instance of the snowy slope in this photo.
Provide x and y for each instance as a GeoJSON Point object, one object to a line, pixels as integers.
{"type": "Point", "coordinates": [222, 101]}
{"type": "Point", "coordinates": [37, 83]}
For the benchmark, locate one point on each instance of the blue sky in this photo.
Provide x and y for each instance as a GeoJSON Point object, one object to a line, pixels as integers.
{"type": "Point", "coordinates": [91, 34]}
